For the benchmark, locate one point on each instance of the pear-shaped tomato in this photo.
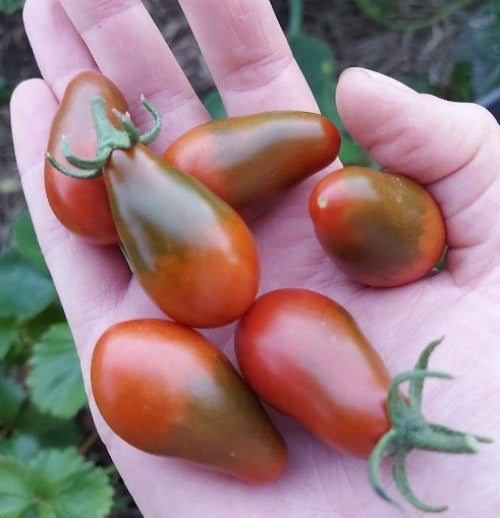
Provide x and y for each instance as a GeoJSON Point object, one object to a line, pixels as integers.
{"type": "Point", "coordinates": [192, 253]}
{"type": "Point", "coordinates": [82, 205]}
{"type": "Point", "coordinates": [249, 160]}
{"type": "Point", "coordinates": [304, 355]}
{"type": "Point", "coordinates": [167, 390]}
{"type": "Point", "coordinates": [381, 229]}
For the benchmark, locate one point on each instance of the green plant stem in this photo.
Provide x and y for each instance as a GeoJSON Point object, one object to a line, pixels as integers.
{"type": "Point", "coordinates": [296, 8]}
{"type": "Point", "coordinates": [410, 25]}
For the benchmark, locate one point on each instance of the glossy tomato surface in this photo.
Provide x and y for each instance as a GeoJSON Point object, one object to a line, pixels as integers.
{"type": "Point", "coordinates": [82, 205]}
{"type": "Point", "coordinates": [249, 160]}
{"type": "Point", "coordinates": [304, 355]}
{"type": "Point", "coordinates": [167, 390]}
{"type": "Point", "coordinates": [192, 253]}
{"type": "Point", "coordinates": [381, 229]}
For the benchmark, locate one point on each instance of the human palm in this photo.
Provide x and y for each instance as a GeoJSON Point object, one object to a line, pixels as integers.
{"type": "Point", "coordinates": [452, 149]}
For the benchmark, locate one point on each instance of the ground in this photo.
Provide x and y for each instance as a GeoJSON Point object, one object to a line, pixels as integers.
{"type": "Point", "coordinates": [354, 39]}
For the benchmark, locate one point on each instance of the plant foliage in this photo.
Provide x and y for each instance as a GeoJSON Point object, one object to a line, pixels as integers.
{"type": "Point", "coordinates": [42, 399]}
{"type": "Point", "coordinates": [10, 6]}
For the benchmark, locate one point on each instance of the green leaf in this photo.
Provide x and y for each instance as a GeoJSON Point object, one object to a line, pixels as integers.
{"type": "Point", "coordinates": [11, 398]}
{"type": "Point", "coordinates": [479, 44]}
{"type": "Point", "coordinates": [56, 380]}
{"type": "Point", "coordinates": [35, 430]}
{"type": "Point", "coordinates": [40, 323]}
{"type": "Point", "coordinates": [317, 63]}
{"type": "Point", "coordinates": [8, 332]}
{"type": "Point", "coordinates": [18, 336]}
{"type": "Point", "coordinates": [20, 446]}
{"type": "Point", "coordinates": [55, 483]}
{"type": "Point", "coordinates": [352, 154]}
{"type": "Point", "coordinates": [24, 290]}
{"type": "Point", "coordinates": [47, 430]}
{"type": "Point", "coordinates": [121, 503]}
{"type": "Point", "coordinates": [377, 10]}
{"type": "Point", "coordinates": [213, 103]}
{"type": "Point", "coordinates": [14, 493]}
{"type": "Point", "coordinates": [25, 241]}
{"type": "Point", "coordinates": [11, 6]}
{"type": "Point", "coordinates": [5, 86]}
{"type": "Point", "coordinates": [461, 82]}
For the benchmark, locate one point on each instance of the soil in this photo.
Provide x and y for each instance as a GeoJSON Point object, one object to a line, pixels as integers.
{"type": "Point", "coordinates": [354, 39]}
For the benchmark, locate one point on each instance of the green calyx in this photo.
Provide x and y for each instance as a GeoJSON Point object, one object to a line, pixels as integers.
{"type": "Point", "coordinates": [108, 138]}
{"type": "Point", "coordinates": [410, 431]}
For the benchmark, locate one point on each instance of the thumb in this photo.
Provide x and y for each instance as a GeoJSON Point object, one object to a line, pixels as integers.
{"type": "Point", "coordinates": [451, 148]}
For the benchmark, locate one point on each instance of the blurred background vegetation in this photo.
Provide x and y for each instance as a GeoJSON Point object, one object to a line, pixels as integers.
{"type": "Point", "coordinates": [51, 458]}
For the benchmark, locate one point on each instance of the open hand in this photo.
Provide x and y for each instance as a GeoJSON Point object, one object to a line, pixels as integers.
{"type": "Point", "coordinates": [453, 149]}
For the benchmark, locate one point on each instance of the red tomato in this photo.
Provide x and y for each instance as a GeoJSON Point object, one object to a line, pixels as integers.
{"type": "Point", "coordinates": [82, 205]}
{"type": "Point", "coordinates": [167, 390]}
{"type": "Point", "coordinates": [192, 253]}
{"type": "Point", "coordinates": [381, 229]}
{"type": "Point", "coordinates": [305, 356]}
{"type": "Point", "coordinates": [248, 161]}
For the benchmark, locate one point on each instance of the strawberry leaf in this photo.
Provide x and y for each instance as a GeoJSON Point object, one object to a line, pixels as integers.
{"type": "Point", "coordinates": [56, 380]}
{"type": "Point", "coordinates": [24, 290]}
{"type": "Point", "coordinates": [11, 398]}
{"type": "Point", "coordinates": [55, 483]}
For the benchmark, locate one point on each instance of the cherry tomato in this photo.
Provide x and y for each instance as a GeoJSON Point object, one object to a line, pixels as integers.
{"type": "Point", "coordinates": [304, 355]}
{"type": "Point", "coordinates": [192, 253]}
{"type": "Point", "coordinates": [381, 229]}
{"type": "Point", "coordinates": [82, 206]}
{"type": "Point", "coordinates": [248, 161]}
{"type": "Point", "coordinates": [167, 390]}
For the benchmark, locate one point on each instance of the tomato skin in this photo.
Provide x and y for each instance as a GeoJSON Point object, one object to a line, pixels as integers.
{"type": "Point", "coordinates": [304, 355]}
{"type": "Point", "coordinates": [249, 160]}
{"type": "Point", "coordinates": [82, 205]}
{"type": "Point", "coordinates": [381, 229]}
{"type": "Point", "coordinates": [192, 253]}
{"type": "Point", "coordinates": [167, 390]}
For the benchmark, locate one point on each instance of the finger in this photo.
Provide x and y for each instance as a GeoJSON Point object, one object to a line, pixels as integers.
{"type": "Point", "coordinates": [59, 51]}
{"type": "Point", "coordinates": [130, 50]}
{"type": "Point", "coordinates": [450, 147]}
{"type": "Point", "coordinates": [248, 56]}
{"type": "Point", "coordinates": [88, 288]}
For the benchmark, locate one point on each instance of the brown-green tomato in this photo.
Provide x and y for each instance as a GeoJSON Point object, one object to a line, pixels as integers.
{"type": "Point", "coordinates": [167, 390]}
{"type": "Point", "coordinates": [192, 253]}
{"type": "Point", "coordinates": [250, 160]}
{"type": "Point", "coordinates": [381, 229]}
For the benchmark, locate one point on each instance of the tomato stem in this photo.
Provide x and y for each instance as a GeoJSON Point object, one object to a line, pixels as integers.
{"type": "Point", "coordinates": [416, 385]}
{"type": "Point", "coordinates": [410, 431]}
{"type": "Point", "coordinates": [383, 448]}
{"type": "Point", "coordinates": [148, 137]}
{"type": "Point", "coordinates": [108, 138]}
{"type": "Point", "coordinates": [399, 473]}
